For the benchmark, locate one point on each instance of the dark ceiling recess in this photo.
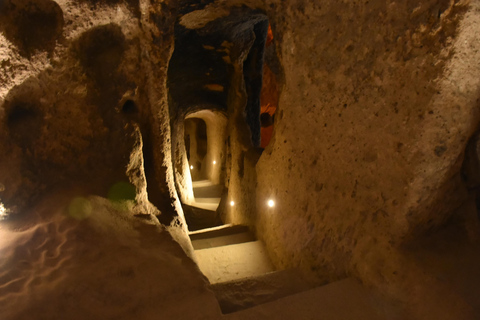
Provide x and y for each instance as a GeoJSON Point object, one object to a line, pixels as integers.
{"type": "Point", "coordinates": [193, 67]}
{"type": "Point", "coordinates": [253, 74]}
{"type": "Point", "coordinates": [200, 69]}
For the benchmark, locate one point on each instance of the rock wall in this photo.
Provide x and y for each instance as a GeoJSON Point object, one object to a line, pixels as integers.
{"type": "Point", "coordinates": [378, 102]}
{"type": "Point", "coordinates": [79, 81]}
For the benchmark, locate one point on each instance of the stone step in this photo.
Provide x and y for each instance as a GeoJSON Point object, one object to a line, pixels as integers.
{"type": "Point", "coordinates": [224, 238]}
{"type": "Point", "coordinates": [208, 200]}
{"type": "Point", "coordinates": [202, 183]}
{"type": "Point", "coordinates": [220, 231]}
{"type": "Point", "coordinates": [200, 218]}
{"type": "Point", "coordinates": [246, 293]}
{"type": "Point", "coordinates": [206, 189]}
{"type": "Point", "coordinates": [233, 262]}
{"type": "Point", "coordinates": [205, 205]}
{"type": "Point", "coordinates": [342, 300]}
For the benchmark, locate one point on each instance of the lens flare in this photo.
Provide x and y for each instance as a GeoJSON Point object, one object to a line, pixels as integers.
{"type": "Point", "coordinates": [80, 208]}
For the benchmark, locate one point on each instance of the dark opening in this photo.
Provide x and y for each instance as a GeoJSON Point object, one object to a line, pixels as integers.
{"type": "Point", "coordinates": [196, 135]}
{"type": "Point", "coordinates": [471, 168]}
{"type": "Point", "coordinates": [129, 107]}
{"type": "Point", "coordinates": [187, 146]}
{"type": "Point", "coordinates": [253, 75]}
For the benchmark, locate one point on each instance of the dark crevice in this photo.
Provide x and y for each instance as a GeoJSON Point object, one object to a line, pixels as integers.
{"type": "Point", "coordinates": [253, 75]}
{"type": "Point", "coordinates": [471, 168]}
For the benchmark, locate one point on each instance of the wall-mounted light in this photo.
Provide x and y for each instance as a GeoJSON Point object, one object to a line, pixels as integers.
{"type": "Point", "coordinates": [232, 203]}
{"type": "Point", "coordinates": [271, 203]}
{"type": "Point", "coordinates": [214, 162]}
{"type": "Point", "coordinates": [191, 167]}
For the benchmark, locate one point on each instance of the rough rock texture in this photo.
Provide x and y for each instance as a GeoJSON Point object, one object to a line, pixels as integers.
{"type": "Point", "coordinates": [75, 91]}
{"type": "Point", "coordinates": [379, 101]}
{"type": "Point", "coordinates": [372, 161]}
{"type": "Point", "coordinates": [91, 258]}
{"type": "Point", "coordinates": [83, 105]}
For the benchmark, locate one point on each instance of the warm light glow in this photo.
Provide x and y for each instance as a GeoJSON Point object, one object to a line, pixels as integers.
{"type": "Point", "coordinates": [271, 203]}
{"type": "Point", "coordinates": [191, 167]}
{"type": "Point", "coordinates": [232, 203]}
{"type": "Point", "coordinates": [214, 162]}
{"type": "Point", "coordinates": [3, 212]}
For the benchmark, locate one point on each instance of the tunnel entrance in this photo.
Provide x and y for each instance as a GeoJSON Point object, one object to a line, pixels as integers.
{"type": "Point", "coordinates": [223, 97]}
{"type": "Point", "coordinates": [204, 138]}
{"type": "Point", "coordinates": [196, 143]}
{"type": "Point", "coordinates": [220, 108]}
{"type": "Point", "coordinates": [206, 60]}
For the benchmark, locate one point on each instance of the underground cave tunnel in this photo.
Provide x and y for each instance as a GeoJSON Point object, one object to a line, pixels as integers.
{"type": "Point", "coordinates": [196, 145]}
{"type": "Point", "coordinates": [209, 115]}
{"type": "Point", "coordinates": [333, 145]}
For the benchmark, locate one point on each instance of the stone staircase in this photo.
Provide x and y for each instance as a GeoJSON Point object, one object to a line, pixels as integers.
{"type": "Point", "coordinates": [230, 253]}
{"type": "Point", "coordinates": [246, 283]}
{"type": "Point", "coordinates": [202, 213]}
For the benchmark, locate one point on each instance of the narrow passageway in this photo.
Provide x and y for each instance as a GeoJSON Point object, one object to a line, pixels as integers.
{"type": "Point", "coordinates": [245, 281]}
{"type": "Point", "coordinates": [247, 284]}
{"type": "Point", "coordinates": [225, 252]}
{"type": "Point", "coordinates": [224, 84]}
{"type": "Point", "coordinates": [231, 257]}
{"type": "Point", "coordinates": [207, 195]}
{"type": "Point", "coordinates": [230, 253]}
{"type": "Point", "coordinates": [215, 132]}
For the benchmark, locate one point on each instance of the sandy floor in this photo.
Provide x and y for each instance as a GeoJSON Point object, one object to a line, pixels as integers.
{"type": "Point", "coordinates": [103, 264]}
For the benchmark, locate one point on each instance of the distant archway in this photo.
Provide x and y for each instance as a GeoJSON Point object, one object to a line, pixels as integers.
{"type": "Point", "coordinates": [196, 143]}
{"type": "Point", "coordinates": [206, 130]}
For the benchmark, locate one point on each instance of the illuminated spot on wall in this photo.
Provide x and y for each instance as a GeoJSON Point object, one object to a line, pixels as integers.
{"type": "Point", "coordinates": [3, 212]}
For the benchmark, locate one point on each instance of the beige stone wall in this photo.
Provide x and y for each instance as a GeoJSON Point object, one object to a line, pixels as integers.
{"type": "Point", "coordinates": [378, 102]}
{"type": "Point", "coordinates": [67, 68]}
